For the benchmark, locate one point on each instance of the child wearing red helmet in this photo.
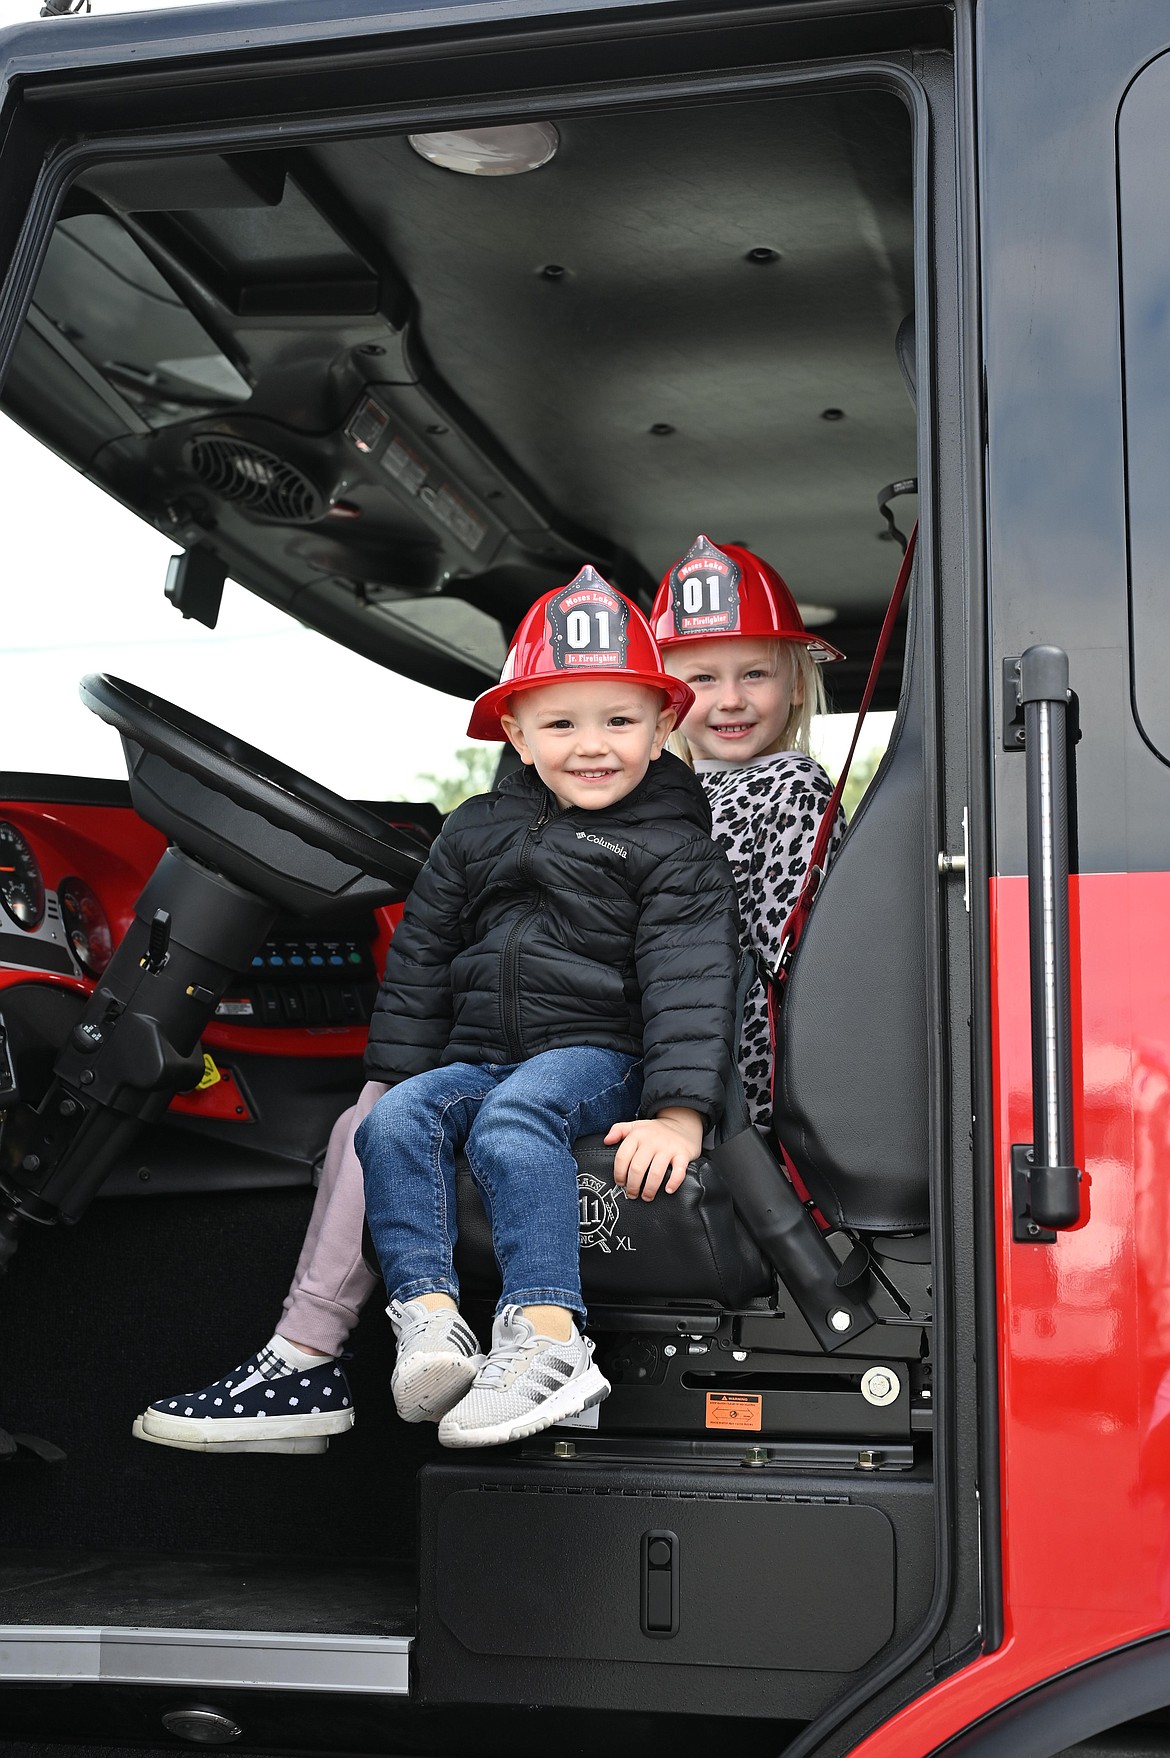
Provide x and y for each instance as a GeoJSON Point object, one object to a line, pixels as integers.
{"type": "Point", "coordinates": [578, 926]}
{"type": "Point", "coordinates": [564, 966]}
{"type": "Point", "coordinates": [728, 626]}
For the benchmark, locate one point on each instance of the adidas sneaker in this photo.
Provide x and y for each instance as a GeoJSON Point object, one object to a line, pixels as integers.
{"type": "Point", "coordinates": [438, 1358]}
{"type": "Point", "coordinates": [528, 1383]}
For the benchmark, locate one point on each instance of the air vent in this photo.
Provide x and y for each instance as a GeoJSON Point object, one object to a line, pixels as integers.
{"type": "Point", "coordinates": [263, 484]}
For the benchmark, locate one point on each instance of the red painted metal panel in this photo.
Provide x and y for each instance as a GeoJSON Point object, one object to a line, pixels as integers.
{"type": "Point", "coordinates": [1085, 1323]}
{"type": "Point", "coordinates": [115, 852]}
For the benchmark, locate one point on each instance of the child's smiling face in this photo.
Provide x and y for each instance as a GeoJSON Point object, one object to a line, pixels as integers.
{"type": "Point", "coordinates": [745, 690]}
{"type": "Point", "coordinates": [591, 740]}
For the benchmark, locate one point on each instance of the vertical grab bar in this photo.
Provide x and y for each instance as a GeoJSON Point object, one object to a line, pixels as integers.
{"type": "Point", "coordinates": [1054, 1181]}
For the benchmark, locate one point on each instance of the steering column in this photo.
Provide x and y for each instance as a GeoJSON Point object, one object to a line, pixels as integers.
{"type": "Point", "coordinates": [250, 838]}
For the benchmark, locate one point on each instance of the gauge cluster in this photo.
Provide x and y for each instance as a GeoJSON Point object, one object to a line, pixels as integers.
{"type": "Point", "coordinates": [64, 931]}
{"type": "Point", "coordinates": [22, 890]}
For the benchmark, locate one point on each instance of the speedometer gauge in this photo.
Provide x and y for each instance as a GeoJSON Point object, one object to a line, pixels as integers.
{"type": "Point", "coordinates": [22, 890]}
{"type": "Point", "coordinates": [86, 927]}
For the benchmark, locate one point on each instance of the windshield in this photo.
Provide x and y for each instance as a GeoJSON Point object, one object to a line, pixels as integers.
{"type": "Point", "coordinates": [86, 580]}
{"type": "Point", "coordinates": [89, 577]}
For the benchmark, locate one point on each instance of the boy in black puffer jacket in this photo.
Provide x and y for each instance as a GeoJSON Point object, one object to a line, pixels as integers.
{"type": "Point", "coordinates": [565, 966]}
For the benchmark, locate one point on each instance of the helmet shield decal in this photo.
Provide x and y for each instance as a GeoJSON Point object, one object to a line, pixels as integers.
{"type": "Point", "coordinates": [704, 591]}
{"type": "Point", "coordinates": [587, 625]}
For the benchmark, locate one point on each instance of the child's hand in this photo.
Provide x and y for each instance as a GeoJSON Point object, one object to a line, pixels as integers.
{"type": "Point", "coordinates": [655, 1148]}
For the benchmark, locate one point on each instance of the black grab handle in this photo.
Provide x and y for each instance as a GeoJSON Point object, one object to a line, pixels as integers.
{"type": "Point", "coordinates": [1054, 1181]}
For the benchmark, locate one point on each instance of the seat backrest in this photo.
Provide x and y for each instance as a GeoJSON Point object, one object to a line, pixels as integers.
{"type": "Point", "coordinates": [851, 1084]}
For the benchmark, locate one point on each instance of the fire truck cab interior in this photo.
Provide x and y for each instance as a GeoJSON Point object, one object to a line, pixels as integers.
{"type": "Point", "coordinates": [399, 402]}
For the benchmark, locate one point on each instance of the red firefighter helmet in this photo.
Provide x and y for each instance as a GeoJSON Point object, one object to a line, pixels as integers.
{"type": "Point", "coordinates": [727, 590]}
{"type": "Point", "coordinates": [586, 629]}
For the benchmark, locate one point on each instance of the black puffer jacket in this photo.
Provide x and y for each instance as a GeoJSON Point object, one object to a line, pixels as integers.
{"type": "Point", "coordinates": [533, 929]}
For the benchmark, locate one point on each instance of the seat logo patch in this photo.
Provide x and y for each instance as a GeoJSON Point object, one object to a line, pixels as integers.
{"type": "Point", "coordinates": [599, 1213]}
{"type": "Point", "coordinates": [587, 625]}
{"type": "Point", "coordinates": [704, 591]}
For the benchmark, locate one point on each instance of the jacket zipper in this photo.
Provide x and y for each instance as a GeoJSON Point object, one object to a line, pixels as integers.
{"type": "Point", "coordinates": [510, 957]}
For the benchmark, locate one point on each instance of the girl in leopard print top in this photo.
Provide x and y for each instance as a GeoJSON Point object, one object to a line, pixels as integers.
{"type": "Point", "coordinates": [757, 687]}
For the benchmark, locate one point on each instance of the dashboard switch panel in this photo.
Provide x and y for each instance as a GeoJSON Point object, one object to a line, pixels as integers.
{"type": "Point", "coordinates": [317, 981]}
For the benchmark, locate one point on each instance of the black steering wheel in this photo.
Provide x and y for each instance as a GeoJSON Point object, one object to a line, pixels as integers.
{"type": "Point", "coordinates": [196, 764]}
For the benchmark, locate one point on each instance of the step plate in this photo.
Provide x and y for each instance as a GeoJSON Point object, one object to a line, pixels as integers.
{"type": "Point", "coordinates": [245, 1659]}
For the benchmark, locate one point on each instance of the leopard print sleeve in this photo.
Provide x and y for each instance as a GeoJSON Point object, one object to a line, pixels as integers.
{"type": "Point", "coordinates": [765, 818]}
{"type": "Point", "coordinates": [786, 829]}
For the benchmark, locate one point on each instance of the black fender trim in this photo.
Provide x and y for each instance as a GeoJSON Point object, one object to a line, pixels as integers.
{"type": "Point", "coordinates": [1088, 1699]}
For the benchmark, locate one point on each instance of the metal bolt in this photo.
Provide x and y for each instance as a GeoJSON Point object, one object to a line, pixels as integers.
{"type": "Point", "coordinates": [86, 1077]}
{"type": "Point", "coordinates": [868, 1459]}
{"type": "Point", "coordinates": [840, 1320]}
{"type": "Point", "coordinates": [31, 1163]}
{"type": "Point", "coordinates": [756, 1456]}
{"type": "Point", "coordinates": [1033, 1230]}
{"type": "Point", "coordinates": [67, 1107]}
{"type": "Point", "coordinates": [880, 1385]}
{"type": "Point", "coordinates": [564, 1449]}
{"type": "Point", "coordinates": [669, 1349]}
{"type": "Point", "coordinates": [739, 1355]}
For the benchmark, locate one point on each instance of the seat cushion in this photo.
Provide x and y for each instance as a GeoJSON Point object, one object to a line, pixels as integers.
{"type": "Point", "coordinates": [688, 1246]}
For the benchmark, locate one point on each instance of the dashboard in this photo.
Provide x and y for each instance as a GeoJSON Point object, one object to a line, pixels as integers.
{"type": "Point", "coordinates": [66, 930]}
{"type": "Point", "coordinates": [71, 871]}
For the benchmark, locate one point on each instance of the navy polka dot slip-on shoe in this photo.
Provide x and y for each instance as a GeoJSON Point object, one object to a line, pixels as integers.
{"type": "Point", "coordinates": [262, 1406]}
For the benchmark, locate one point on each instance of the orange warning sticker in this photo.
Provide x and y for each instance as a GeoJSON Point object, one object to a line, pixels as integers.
{"type": "Point", "coordinates": [739, 1410]}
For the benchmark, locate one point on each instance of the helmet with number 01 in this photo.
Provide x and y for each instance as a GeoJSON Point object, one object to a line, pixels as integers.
{"type": "Point", "coordinates": [586, 629]}
{"type": "Point", "coordinates": [715, 590]}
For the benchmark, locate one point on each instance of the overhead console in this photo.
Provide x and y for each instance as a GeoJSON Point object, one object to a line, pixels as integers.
{"type": "Point", "coordinates": [242, 362]}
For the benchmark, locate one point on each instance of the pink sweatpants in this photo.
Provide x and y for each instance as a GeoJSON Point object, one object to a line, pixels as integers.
{"type": "Point", "coordinates": [332, 1283]}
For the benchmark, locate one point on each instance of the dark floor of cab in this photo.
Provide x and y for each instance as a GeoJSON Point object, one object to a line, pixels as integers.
{"type": "Point", "coordinates": [146, 1297]}
{"type": "Point", "coordinates": [306, 1594]}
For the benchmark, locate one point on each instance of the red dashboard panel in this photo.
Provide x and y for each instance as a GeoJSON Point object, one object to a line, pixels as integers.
{"type": "Point", "coordinates": [113, 851]}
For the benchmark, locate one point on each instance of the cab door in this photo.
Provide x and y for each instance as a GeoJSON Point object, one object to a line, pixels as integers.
{"type": "Point", "coordinates": [1073, 178]}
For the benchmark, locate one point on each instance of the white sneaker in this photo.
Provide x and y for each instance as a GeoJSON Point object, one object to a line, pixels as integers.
{"type": "Point", "coordinates": [438, 1358]}
{"type": "Point", "coordinates": [527, 1384]}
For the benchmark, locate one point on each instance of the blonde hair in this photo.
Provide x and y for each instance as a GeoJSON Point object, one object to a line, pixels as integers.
{"type": "Point", "coordinates": [797, 732]}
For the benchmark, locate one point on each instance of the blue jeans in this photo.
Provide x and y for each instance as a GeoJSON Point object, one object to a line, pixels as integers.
{"type": "Point", "coordinates": [517, 1123]}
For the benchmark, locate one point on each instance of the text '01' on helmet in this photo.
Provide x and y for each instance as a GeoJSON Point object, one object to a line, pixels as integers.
{"type": "Point", "coordinates": [717, 590]}
{"type": "Point", "coordinates": [586, 629]}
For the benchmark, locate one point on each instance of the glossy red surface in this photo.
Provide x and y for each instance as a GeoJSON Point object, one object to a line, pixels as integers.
{"type": "Point", "coordinates": [115, 852]}
{"type": "Point", "coordinates": [1085, 1323]}
{"type": "Point", "coordinates": [750, 600]}
{"type": "Point", "coordinates": [540, 652]}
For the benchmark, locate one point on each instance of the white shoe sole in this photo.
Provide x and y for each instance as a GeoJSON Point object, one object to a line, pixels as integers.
{"type": "Point", "coordinates": [580, 1394]}
{"type": "Point", "coordinates": [426, 1385]}
{"type": "Point", "coordinates": [253, 1434]}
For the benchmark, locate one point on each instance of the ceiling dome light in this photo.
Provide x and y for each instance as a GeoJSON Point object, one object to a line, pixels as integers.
{"type": "Point", "coordinates": [815, 616]}
{"type": "Point", "coordinates": [490, 152]}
